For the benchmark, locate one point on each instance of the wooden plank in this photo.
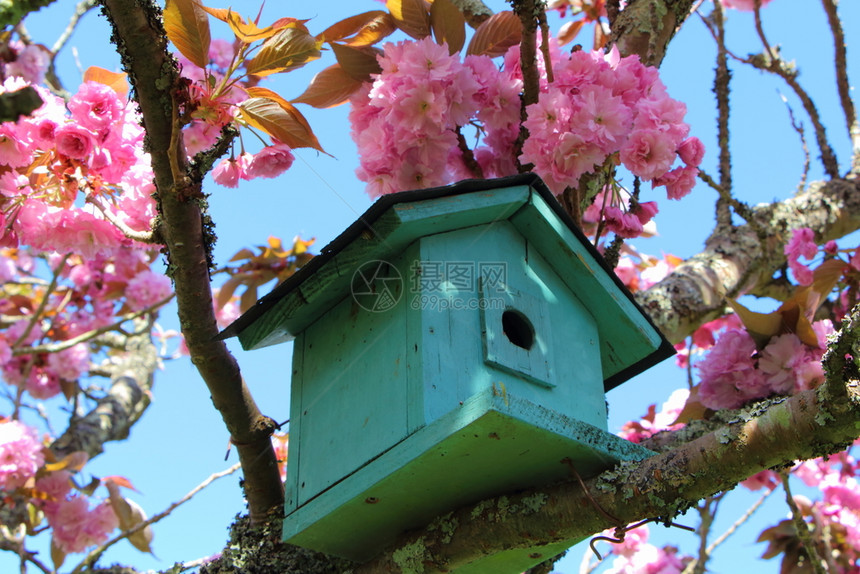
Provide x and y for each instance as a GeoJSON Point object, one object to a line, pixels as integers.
{"type": "Point", "coordinates": [489, 446]}
{"type": "Point", "coordinates": [626, 336]}
{"type": "Point", "coordinates": [392, 232]}
{"type": "Point", "coordinates": [353, 393]}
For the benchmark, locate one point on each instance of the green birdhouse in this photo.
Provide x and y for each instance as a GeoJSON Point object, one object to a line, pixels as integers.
{"type": "Point", "coordinates": [451, 345]}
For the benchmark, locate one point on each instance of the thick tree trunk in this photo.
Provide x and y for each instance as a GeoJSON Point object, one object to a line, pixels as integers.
{"type": "Point", "coordinates": [185, 230]}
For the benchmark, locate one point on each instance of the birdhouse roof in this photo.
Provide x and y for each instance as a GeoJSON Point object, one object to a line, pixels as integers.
{"type": "Point", "coordinates": [629, 341]}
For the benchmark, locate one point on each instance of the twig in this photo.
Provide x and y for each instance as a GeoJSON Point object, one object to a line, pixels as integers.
{"type": "Point", "coordinates": [722, 78]}
{"type": "Point", "coordinates": [94, 555]}
{"type": "Point", "coordinates": [771, 53]}
{"type": "Point", "coordinates": [468, 156]}
{"type": "Point", "coordinates": [43, 303]}
{"type": "Point", "coordinates": [772, 62]}
{"type": "Point", "coordinates": [142, 236]}
{"type": "Point", "coordinates": [82, 8]}
{"type": "Point", "coordinates": [739, 522]}
{"type": "Point", "coordinates": [827, 539]}
{"type": "Point", "coordinates": [544, 43]}
{"type": "Point", "coordinates": [51, 77]}
{"type": "Point", "coordinates": [798, 127]}
{"type": "Point", "coordinates": [704, 553]}
{"type": "Point", "coordinates": [12, 544]}
{"type": "Point", "coordinates": [802, 529]}
{"type": "Point", "coordinates": [83, 337]}
{"type": "Point", "coordinates": [706, 517]}
{"type": "Point", "coordinates": [842, 83]}
{"type": "Point", "coordinates": [741, 208]}
{"type": "Point", "coordinates": [526, 11]}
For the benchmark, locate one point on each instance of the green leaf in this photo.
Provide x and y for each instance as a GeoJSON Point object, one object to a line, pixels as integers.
{"type": "Point", "coordinates": [289, 49]}
{"type": "Point", "coordinates": [496, 34]}
{"type": "Point", "coordinates": [187, 26]}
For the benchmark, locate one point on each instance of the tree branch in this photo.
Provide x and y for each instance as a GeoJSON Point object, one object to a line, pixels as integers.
{"type": "Point", "coordinates": [645, 28]}
{"type": "Point", "coordinates": [842, 83]}
{"type": "Point", "coordinates": [186, 230]}
{"type": "Point", "coordinates": [736, 261]}
{"type": "Point", "coordinates": [125, 402]}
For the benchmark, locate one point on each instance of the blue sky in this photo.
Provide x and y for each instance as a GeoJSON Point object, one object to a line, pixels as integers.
{"type": "Point", "coordinates": [181, 440]}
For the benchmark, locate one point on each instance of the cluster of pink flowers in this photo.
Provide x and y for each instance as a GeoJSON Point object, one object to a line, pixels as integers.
{"type": "Point", "coordinates": [27, 61]}
{"type": "Point", "coordinates": [734, 372]}
{"type": "Point", "coordinates": [215, 107]}
{"type": "Point", "coordinates": [212, 110]}
{"type": "Point", "coordinates": [600, 106]}
{"type": "Point", "coordinates": [90, 293]}
{"type": "Point", "coordinates": [612, 207]}
{"type": "Point", "coordinates": [20, 455]}
{"type": "Point", "coordinates": [654, 422]}
{"type": "Point", "coordinates": [269, 162]}
{"type": "Point", "coordinates": [49, 158]}
{"type": "Point", "coordinates": [407, 125]}
{"type": "Point", "coordinates": [75, 525]}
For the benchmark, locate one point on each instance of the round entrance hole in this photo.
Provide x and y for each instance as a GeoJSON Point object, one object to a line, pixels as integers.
{"type": "Point", "coordinates": [518, 329]}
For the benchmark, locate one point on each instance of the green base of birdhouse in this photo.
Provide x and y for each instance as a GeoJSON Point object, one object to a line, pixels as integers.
{"type": "Point", "coordinates": [494, 443]}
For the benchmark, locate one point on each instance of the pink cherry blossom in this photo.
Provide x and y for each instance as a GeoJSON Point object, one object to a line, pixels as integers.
{"type": "Point", "coordinates": [14, 149]}
{"type": "Point", "coordinates": [70, 364]}
{"type": "Point", "coordinates": [765, 479]}
{"type": "Point", "coordinates": [74, 141]}
{"type": "Point", "coordinates": [13, 183]}
{"type": "Point", "coordinates": [76, 527]}
{"type": "Point", "coordinates": [648, 153]}
{"type": "Point", "coordinates": [20, 454]}
{"type": "Point", "coordinates": [780, 361]}
{"type": "Point", "coordinates": [30, 63]}
{"type": "Point", "coordinates": [801, 244]}
{"type": "Point", "coordinates": [229, 171]}
{"type": "Point", "coordinates": [679, 182]}
{"type": "Point", "coordinates": [728, 375]}
{"type": "Point", "coordinates": [221, 53]}
{"type": "Point", "coordinates": [147, 289]}
{"type": "Point", "coordinates": [43, 384]}
{"type": "Point", "coordinates": [199, 136]}
{"type": "Point", "coordinates": [56, 486]}
{"type": "Point", "coordinates": [270, 162]}
{"type": "Point", "coordinates": [95, 106]}
{"type": "Point", "coordinates": [654, 421]}
{"type": "Point", "coordinates": [692, 151]}
{"type": "Point", "coordinates": [649, 559]}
